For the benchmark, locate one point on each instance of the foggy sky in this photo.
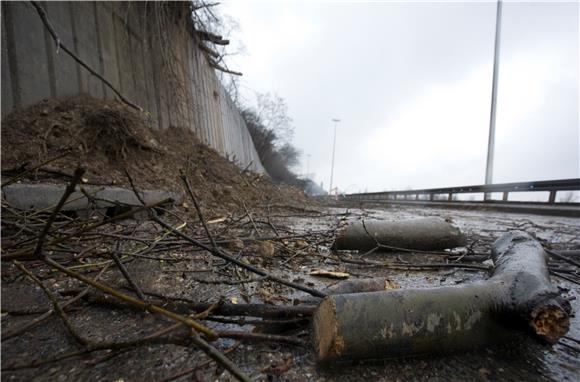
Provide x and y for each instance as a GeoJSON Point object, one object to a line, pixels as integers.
{"type": "Point", "coordinates": [411, 83]}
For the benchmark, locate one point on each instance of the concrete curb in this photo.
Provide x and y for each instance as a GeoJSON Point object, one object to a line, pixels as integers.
{"type": "Point", "coordinates": [39, 196]}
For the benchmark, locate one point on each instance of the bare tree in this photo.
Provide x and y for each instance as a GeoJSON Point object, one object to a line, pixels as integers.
{"type": "Point", "coordinates": [273, 112]}
{"type": "Point", "coordinates": [290, 155]}
{"type": "Point", "coordinates": [567, 197]}
{"type": "Point", "coordinates": [277, 155]}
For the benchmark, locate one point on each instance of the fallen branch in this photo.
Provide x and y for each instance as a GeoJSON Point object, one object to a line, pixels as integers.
{"type": "Point", "coordinates": [125, 272]}
{"type": "Point", "coordinates": [419, 321]}
{"type": "Point", "coordinates": [186, 306]}
{"type": "Point", "coordinates": [133, 301]}
{"type": "Point", "coordinates": [211, 351]}
{"type": "Point", "coordinates": [27, 255]}
{"type": "Point", "coordinates": [200, 366]}
{"type": "Point", "coordinates": [199, 213]}
{"type": "Point", "coordinates": [26, 172]}
{"type": "Point", "coordinates": [55, 305]}
{"type": "Point", "coordinates": [17, 331]}
{"type": "Point", "coordinates": [562, 257]}
{"type": "Point", "coordinates": [70, 188]}
{"type": "Point", "coordinates": [223, 254]}
{"type": "Point", "coordinates": [417, 234]}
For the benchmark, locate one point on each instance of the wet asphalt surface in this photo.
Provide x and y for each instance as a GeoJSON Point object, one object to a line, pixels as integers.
{"type": "Point", "coordinates": [519, 359]}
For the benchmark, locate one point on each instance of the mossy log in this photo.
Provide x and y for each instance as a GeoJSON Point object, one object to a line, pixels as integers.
{"type": "Point", "coordinates": [411, 322]}
{"type": "Point", "coordinates": [422, 234]}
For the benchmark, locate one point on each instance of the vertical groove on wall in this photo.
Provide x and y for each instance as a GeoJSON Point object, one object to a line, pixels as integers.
{"type": "Point", "coordinates": [71, 5]}
{"type": "Point", "coordinates": [50, 46]}
{"type": "Point", "coordinates": [99, 47]}
{"type": "Point", "coordinates": [156, 85]}
{"type": "Point", "coordinates": [116, 38]}
{"type": "Point", "coordinates": [12, 63]}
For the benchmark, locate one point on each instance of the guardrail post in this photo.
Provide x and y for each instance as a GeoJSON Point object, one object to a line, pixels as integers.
{"type": "Point", "coordinates": [552, 198]}
{"type": "Point", "coordinates": [450, 197]}
{"type": "Point", "coordinates": [431, 197]}
{"type": "Point", "coordinates": [505, 196]}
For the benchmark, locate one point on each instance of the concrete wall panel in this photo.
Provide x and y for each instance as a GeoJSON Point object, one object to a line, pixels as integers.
{"type": "Point", "coordinates": [66, 80]}
{"type": "Point", "coordinates": [30, 77]}
{"type": "Point", "coordinates": [87, 46]}
{"type": "Point", "coordinates": [160, 69]}
{"type": "Point", "coordinates": [108, 46]}
{"type": "Point", "coordinates": [124, 59]}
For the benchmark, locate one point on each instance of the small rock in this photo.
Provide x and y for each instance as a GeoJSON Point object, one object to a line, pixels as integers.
{"type": "Point", "coordinates": [266, 248]}
{"type": "Point", "coordinates": [236, 245]}
{"type": "Point", "coordinates": [300, 244]}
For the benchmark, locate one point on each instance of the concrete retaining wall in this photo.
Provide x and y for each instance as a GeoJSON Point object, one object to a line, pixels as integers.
{"type": "Point", "coordinates": [154, 61]}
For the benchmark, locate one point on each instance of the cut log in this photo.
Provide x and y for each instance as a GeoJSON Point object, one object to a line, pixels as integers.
{"type": "Point", "coordinates": [360, 286]}
{"type": "Point", "coordinates": [412, 322]}
{"type": "Point", "coordinates": [354, 286]}
{"type": "Point", "coordinates": [421, 234]}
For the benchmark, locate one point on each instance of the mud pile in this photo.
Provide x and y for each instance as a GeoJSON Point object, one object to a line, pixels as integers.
{"type": "Point", "coordinates": [107, 138]}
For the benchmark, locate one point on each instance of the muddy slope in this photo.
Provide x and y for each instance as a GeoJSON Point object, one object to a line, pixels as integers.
{"type": "Point", "coordinates": [108, 138]}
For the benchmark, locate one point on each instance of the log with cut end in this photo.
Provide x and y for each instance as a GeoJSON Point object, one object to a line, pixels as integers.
{"type": "Point", "coordinates": [421, 234]}
{"type": "Point", "coordinates": [412, 322]}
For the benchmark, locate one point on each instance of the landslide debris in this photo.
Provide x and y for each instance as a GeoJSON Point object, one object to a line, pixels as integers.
{"type": "Point", "coordinates": [107, 138]}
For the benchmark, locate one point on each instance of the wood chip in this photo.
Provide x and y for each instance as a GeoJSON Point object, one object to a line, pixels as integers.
{"type": "Point", "coordinates": [329, 274]}
{"type": "Point", "coordinates": [218, 220]}
{"type": "Point", "coordinates": [390, 284]}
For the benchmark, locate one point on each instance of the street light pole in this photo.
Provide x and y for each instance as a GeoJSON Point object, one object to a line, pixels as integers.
{"type": "Point", "coordinates": [336, 121]}
{"type": "Point", "coordinates": [492, 117]}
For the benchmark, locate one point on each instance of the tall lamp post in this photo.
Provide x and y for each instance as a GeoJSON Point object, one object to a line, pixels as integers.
{"type": "Point", "coordinates": [492, 116]}
{"type": "Point", "coordinates": [336, 121]}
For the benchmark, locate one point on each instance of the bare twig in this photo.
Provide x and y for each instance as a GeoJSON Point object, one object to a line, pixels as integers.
{"type": "Point", "coordinates": [223, 254]}
{"type": "Point", "coordinates": [211, 37]}
{"type": "Point", "coordinates": [253, 310]}
{"type": "Point", "coordinates": [208, 50]}
{"type": "Point", "coordinates": [23, 174]}
{"type": "Point", "coordinates": [125, 272]}
{"type": "Point", "coordinates": [199, 213]}
{"type": "Point", "coordinates": [26, 254]}
{"type": "Point", "coordinates": [202, 5]}
{"type": "Point", "coordinates": [217, 66]}
{"type": "Point", "coordinates": [200, 366]}
{"type": "Point", "coordinates": [211, 351]}
{"type": "Point", "coordinates": [44, 316]}
{"type": "Point", "coordinates": [70, 188]}
{"type": "Point", "coordinates": [52, 32]}
{"type": "Point", "coordinates": [262, 337]}
{"type": "Point", "coordinates": [561, 257]}
{"type": "Point", "coordinates": [134, 188]}
{"type": "Point", "coordinates": [132, 301]}
{"type": "Point", "coordinates": [251, 218]}
{"type": "Point", "coordinates": [56, 306]}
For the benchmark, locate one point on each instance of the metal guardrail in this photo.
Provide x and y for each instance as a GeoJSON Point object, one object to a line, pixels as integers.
{"type": "Point", "coordinates": [433, 194]}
